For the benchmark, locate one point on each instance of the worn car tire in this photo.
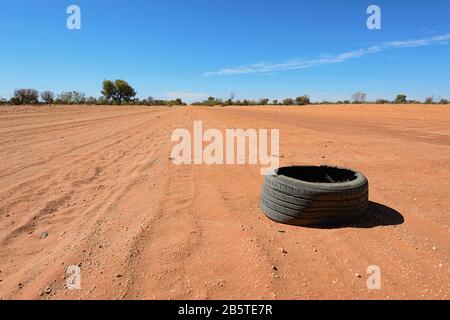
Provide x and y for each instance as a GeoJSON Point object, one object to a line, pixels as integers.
{"type": "Point", "coordinates": [309, 196]}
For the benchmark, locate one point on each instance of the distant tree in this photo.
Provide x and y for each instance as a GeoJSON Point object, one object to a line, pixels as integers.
{"type": "Point", "coordinates": [109, 90]}
{"type": "Point", "coordinates": [359, 97]}
{"type": "Point", "coordinates": [48, 97]}
{"type": "Point", "coordinates": [401, 98]}
{"type": "Point", "coordinates": [211, 101]}
{"type": "Point", "coordinates": [429, 100]}
{"type": "Point", "coordinates": [150, 101]}
{"type": "Point", "coordinates": [288, 102]}
{"type": "Point", "coordinates": [381, 101]}
{"type": "Point", "coordinates": [264, 102]}
{"type": "Point", "coordinates": [302, 101]}
{"type": "Point", "coordinates": [64, 97]}
{"type": "Point", "coordinates": [275, 102]}
{"type": "Point", "coordinates": [232, 96]}
{"type": "Point", "coordinates": [71, 97]}
{"type": "Point", "coordinates": [25, 96]}
{"type": "Point", "coordinates": [124, 92]}
{"type": "Point", "coordinates": [443, 101]}
{"type": "Point", "coordinates": [78, 97]}
{"type": "Point", "coordinates": [119, 91]}
{"type": "Point", "coordinates": [91, 101]}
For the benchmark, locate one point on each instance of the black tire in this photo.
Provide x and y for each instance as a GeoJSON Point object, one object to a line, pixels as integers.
{"type": "Point", "coordinates": [312, 196]}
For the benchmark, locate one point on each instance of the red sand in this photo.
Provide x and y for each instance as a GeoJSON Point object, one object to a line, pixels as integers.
{"type": "Point", "coordinates": [98, 180]}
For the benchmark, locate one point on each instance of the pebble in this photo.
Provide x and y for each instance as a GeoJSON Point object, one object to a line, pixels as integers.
{"type": "Point", "coordinates": [43, 235]}
{"type": "Point", "coordinates": [358, 276]}
{"type": "Point", "coordinates": [48, 291]}
{"type": "Point", "coordinates": [274, 268]}
{"type": "Point", "coordinates": [434, 248]}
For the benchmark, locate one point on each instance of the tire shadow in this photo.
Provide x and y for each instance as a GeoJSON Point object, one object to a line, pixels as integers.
{"type": "Point", "coordinates": [377, 215]}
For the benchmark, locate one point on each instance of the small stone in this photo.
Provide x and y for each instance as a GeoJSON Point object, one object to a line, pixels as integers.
{"type": "Point", "coordinates": [119, 276]}
{"type": "Point", "coordinates": [274, 268]}
{"type": "Point", "coordinates": [283, 251]}
{"type": "Point", "coordinates": [48, 290]}
{"type": "Point", "coordinates": [434, 248]}
{"type": "Point", "coordinates": [358, 276]}
{"type": "Point", "coordinates": [43, 235]}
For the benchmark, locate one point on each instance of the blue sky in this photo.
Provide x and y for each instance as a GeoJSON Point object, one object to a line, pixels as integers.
{"type": "Point", "coordinates": [254, 48]}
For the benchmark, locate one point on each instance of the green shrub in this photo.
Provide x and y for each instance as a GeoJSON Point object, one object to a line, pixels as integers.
{"type": "Point", "coordinates": [25, 96]}
{"type": "Point", "coordinates": [359, 97]}
{"type": "Point", "coordinates": [288, 102]}
{"type": "Point", "coordinates": [264, 102]}
{"type": "Point", "coordinates": [401, 98]}
{"type": "Point", "coordinates": [48, 97]}
{"type": "Point", "coordinates": [429, 100]}
{"type": "Point", "coordinates": [71, 97]}
{"type": "Point", "coordinates": [303, 100]}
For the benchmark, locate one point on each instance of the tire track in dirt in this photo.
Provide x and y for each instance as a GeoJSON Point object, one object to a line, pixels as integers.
{"type": "Point", "coordinates": [123, 220]}
{"type": "Point", "coordinates": [160, 252]}
{"type": "Point", "coordinates": [47, 160]}
{"type": "Point", "coordinates": [144, 135]}
{"type": "Point", "coordinates": [73, 173]}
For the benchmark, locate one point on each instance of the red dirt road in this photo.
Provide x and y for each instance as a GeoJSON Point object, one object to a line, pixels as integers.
{"type": "Point", "coordinates": [100, 183]}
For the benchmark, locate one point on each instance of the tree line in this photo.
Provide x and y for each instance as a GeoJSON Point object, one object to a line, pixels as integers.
{"type": "Point", "coordinates": [116, 92]}
{"type": "Point", "coordinates": [119, 92]}
{"type": "Point", "coordinates": [357, 98]}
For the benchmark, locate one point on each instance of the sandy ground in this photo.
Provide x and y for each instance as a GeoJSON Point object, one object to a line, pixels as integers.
{"type": "Point", "coordinates": [100, 183]}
